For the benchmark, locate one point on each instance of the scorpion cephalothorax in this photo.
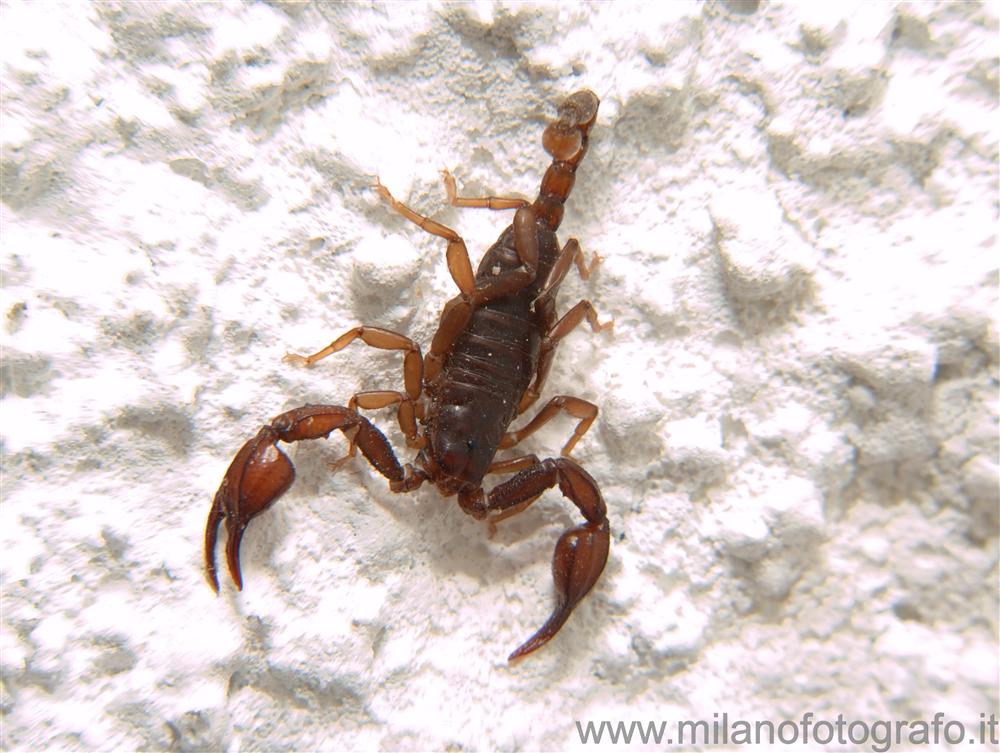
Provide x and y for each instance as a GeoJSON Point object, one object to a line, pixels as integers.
{"type": "Point", "coordinates": [486, 365]}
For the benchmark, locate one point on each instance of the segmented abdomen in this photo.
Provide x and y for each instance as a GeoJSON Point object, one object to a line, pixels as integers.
{"type": "Point", "coordinates": [497, 355]}
{"type": "Point", "coordinates": [476, 395]}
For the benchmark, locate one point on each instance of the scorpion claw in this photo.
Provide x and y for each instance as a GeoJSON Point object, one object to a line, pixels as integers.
{"type": "Point", "coordinates": [258, 475]}
{"type": "Point", "coordinates": [211, 536]}
{"type": "Point", "coordinates": [233, 555]}
{"type": "Point", "coordinates": [581, 554]}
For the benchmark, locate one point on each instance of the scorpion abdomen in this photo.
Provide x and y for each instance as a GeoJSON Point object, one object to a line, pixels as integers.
{"type": "Point", "coordinates": [491, 365]}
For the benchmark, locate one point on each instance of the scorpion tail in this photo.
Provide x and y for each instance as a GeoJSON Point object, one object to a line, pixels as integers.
{"type": "Point", "coordinates": [566, 140]}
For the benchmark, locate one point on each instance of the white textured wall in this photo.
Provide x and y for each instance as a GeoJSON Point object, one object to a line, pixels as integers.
{"type": "Point", "coordinates": [796, 206]}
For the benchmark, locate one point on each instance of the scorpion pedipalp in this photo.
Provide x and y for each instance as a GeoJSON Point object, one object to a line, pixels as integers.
{"type": "Point", "coordinates": [580, 553]}
{"type": "Point", "coordinates": [258, 475]}
{"type": "Point", "coordinates": [261, 472]}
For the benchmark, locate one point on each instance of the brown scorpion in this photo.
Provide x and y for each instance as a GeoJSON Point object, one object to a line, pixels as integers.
{"type": "Point", "coordinates": [487, 363]}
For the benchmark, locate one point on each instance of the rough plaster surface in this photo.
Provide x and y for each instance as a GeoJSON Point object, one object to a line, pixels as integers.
{"type": "Point", "coordinates": [798, 443]}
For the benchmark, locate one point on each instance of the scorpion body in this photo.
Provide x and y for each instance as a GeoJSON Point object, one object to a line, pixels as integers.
{"type": "Point", "coordinates": [486, 365]}
{"type": "Point", "coordinates": [492, 362]}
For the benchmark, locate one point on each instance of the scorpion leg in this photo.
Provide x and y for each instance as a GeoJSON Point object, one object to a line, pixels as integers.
{"type": "Point", "coordinates": [525, 241]}
{"type": "Point", "coordinates": [261, 472]}
{"type": "Point", "coordinates": [573, 318]}
{"type": "Point", "coordinates": [376, 337]}
{"type": "Point", "coordinates": [458, 255]}
{"type": "Point", "coordinates": [574, 406]}
{"type": "Point", "coordinates": [485, 202]}
{"type": "Point", "coordinates": [407, 412]}
{"type": "Point", "coordinates": [545, 305]}
{"type": "Point", "coordinates": [526, 245]}
{"type": "Point", "coordinates": [406, 415]}
{"type": "Point", "coordinates": [580, 553]}
{"type": "Point", "coordinates": [457, 311]}
{"type": "Point", "coordinates": [454, 316]}
{"type": "Point", "coordinates": [571, 254]}
{"type": "Point", "coordinates": [413, 370]}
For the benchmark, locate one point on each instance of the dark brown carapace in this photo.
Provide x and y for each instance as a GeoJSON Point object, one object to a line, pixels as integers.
{"type": "Point", "coordinates": [486, 365]}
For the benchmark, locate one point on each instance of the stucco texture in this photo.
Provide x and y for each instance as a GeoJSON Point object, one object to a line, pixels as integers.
{"type": "Point", "coordinates": [796, 209]}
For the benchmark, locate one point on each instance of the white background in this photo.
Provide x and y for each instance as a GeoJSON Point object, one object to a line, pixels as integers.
{"type": "Point", "coordinates": [796, 208]}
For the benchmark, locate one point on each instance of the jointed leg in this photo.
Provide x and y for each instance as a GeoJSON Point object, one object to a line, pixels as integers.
{"type": "Point", "coordinates": [573, 318]}
{"type": "Point", "coordinates": [454, 316]}
{"type": "Point", "coordinates": [571, 254]}
{"type": "Point", "coordinates": [457, 311]}
{"type": "Point", "coordinates": [406, 415]}
{"type": "Point", "coordinates": [485, 202]}
{"type": "Point", "coordinates": [525, 241]}
{"type": "Point", "coordinates": [406, 412]}
{"type": "Point", "coordinates": [574, 406]}
{"type": "Point", "coordinates": [581, 552]}
{"type": "Point", "coordinates": [376, 337]}
{"type": "Point", "coordinates": [413, 369]}
{"type": "Point", "coordinates": [457, 255]}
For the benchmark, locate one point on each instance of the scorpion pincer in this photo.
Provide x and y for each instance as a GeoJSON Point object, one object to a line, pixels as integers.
{"type": "Point", "coordinates": [486, 365]}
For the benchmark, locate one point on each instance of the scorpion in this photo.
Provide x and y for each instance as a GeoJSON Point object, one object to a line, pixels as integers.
{"type": "Point", "coordinates": [487, 363]}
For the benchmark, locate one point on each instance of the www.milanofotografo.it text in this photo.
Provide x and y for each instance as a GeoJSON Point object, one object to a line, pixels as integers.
{"type": "Point", "coordinates": [879, 735]}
